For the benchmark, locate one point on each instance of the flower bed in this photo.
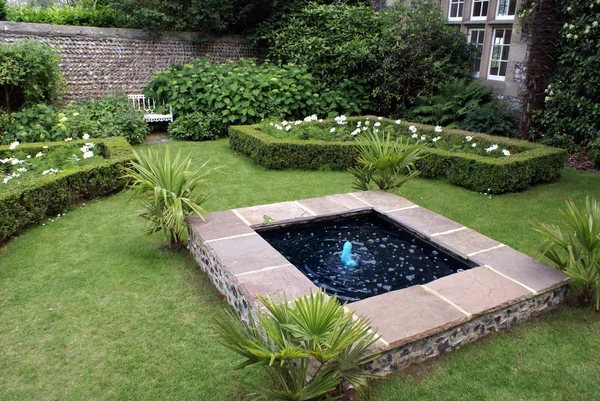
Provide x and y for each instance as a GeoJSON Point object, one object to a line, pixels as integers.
{"type": "Point", "coordinates": [475, 161]}
{"type": "Point", "coordinates": [38, 180]}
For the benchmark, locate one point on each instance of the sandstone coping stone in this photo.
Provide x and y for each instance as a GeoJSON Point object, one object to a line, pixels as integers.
{"type": "Point", "coordinates": [522, 268]}
{"type": "Point", "coordinates": [479, 290]}
{"type": "Point", "coordinates": [278, 211]}
{"type": "Point", "coordinates": [408, 315]}
{"type": "Point", "coordinates": [247, 253]}
{"type": "Point", "coordinates": [467, 241]}
{"type": "Point", "coordinates": [383, 201]}
{"type": "Point", "coordinates": [218, 225]}
{"type": "Point", "coordinates": [424, 221]}
{"type": "Point", "coordinates": [333, 204]}
{"type": "Point", "coordinates": [277, 282]}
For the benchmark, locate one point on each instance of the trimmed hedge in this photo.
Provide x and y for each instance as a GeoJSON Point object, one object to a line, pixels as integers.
{"type": "Point", "coordinates": [53, 194]}
{"type": "Point", "coordinates": [529, 164]}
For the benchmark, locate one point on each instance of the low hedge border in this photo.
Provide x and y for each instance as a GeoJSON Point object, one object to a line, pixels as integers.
{"type": "Point", "coordinates": [529, 163]}
{"type": "Point", "coordinates": [53, 194]}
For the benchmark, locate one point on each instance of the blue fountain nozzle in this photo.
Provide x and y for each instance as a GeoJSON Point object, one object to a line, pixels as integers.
{"type": "Point", "coordinates": [346, 257]}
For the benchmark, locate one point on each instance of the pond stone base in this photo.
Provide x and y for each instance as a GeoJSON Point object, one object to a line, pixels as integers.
{"type": "Point", "coordinates": [415, 323]}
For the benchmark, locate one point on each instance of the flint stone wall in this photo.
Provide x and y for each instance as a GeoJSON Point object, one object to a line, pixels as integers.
{"type": "Point", "coordinates": [96, 61]}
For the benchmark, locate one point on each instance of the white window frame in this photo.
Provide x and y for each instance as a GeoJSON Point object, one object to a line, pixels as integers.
{"type": "Point", "coordinates": [489, 75]}
{"type": "Point", "coordinates": [504, 17]}
{"type": "Point", "coordinates": [478, 18]}
{"type": "Point", "coordinates": [476, 74]}
{"type": "Point", "coordinates": [458, 3]}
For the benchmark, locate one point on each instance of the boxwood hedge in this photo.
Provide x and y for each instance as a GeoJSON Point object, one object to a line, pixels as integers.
{"type": "Point", "coordinates": [26, 205]}
{"type": "Point", "coordinates": [529, 164]}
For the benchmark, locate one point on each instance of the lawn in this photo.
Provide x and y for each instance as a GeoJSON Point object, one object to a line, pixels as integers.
{"type": "Point", "coordinates": [90, 309]}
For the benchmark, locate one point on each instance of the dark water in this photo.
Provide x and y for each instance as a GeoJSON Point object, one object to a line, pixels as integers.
{"type": "Point", "coordinates": [388, 257]}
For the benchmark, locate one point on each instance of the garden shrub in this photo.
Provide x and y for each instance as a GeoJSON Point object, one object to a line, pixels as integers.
{"type": "Point", "coordinates": [495, 118]}
{"type": "Point", "coordinates": [572, 105]}
{"type": "Point", "coordinates": [29, 204]}
{"type": "Point", "coordinates": [3, 10]}
{"type": "Point", "coordinates": [64, 14]}
{"type": "Point", "coordinates": [596, 152]}
{"type": "Point", "coordinates": [197, 126]}
{"type": "Point", "coordinates": [244, 92]}
{"type": "Point", "coordinates": [527, 165]}
{"type": "Point", "coordinates": [109, 116]}
{"type": "Point", "coordinates": [29, 74]}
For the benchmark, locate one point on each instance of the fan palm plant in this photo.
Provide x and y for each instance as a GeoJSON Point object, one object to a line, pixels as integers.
{"type": "Point", "coordinates": [384, 163]}
{"type": "Point", "coordinates": [308, 347]}
{"type": "Point", "coordinates": [576, 251]}
{"type": "Point", "coordinates": [168, 189]}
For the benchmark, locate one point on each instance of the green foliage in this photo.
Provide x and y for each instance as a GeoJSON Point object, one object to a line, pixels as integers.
{"type": "Point", "coordinates": [451, 104]}
{"type": "Point", "coordinates": [197, 126]}
{"type": "Point", "coordinates": [168, 189]}
{"type": "Point", "coordinates": [79, 14]}
{"type": "Point", "coordinates": [29, 74]}
{"type": "Point", "coordinates": [596, 152]}
{"type": "Point", "coordinates": [560, 141]}
{"type": "Point", "coordinates": [571, 104]}
{"type": "Point", "coordinates": [495, 118]}
{"type": "Point", "coordinates": [528, 164]}
{"type": "Point", "coordinates": [109, 116]}
{"type": "Point", "coordinates": [384, 163]}
{"type": "Point", "coordinates": [576, 251]}
{"type": "Point", "coordinates": [3, 10]}
{"type": "Point", "coordinates": [28, 204]}
{"type": "Point", "coordinates": [308, 346]}
{"type": "Point", "coordinates": [243, 92]}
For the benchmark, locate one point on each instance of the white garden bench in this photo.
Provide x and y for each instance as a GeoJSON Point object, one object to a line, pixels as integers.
{"type": "Point", "coordinates": [148, 106]}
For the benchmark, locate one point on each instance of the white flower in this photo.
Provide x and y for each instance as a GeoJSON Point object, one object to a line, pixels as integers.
{"type": "Point", "coordinates": [288, 127]}
{"type": "Point", "coordinates": [44, 147]}
{"type": "Point", "coordinates": [474, 145]}
{"type": "Point", "coordinates": [87, 136]}
{"type": "Point", "coordinates": [355, 132]}
{"type": "Point", "coordinates": [39, 154]}
{"type": "Point", "coordinates": [437, 128]}
{"type": "Point", "coordinates": [380, 118]}
{"type": "Point", "coordinates": [284, 122]}
{"type": "Point", "coordinates": [279, 127]}
{"type": "Point", "coordinates": [491, 148]}
{"type": "Point", "coordinates": [468, 138]}
{"type": "Point", "coordinates": [437, 138]}
{"type": "Point", "coordinates": [364, 128]}
{"type": "Point", "coordinates": [297, 122]}
{"type": "Point", "coordinates": [595, 24]}
{"type": "Point", "coordinates": [14, 160]}
{"type": "Point", "coordinates": [414, 136]}
{"type": "Point", "coordinates": [377, 124]}
{"type": "Point", "coordinates": [271, 124]}
{"type": "Point", "coordinates": [90, 144]}
{"type": "Point", "coordinates": [69, 139]}
{"type": "Point", "coordinates": [314, 117]}
{"type": "Point", "coordinates": [75, 114]}
{"type": "Point", "coordinates": [21, 169]}
{"type": "Point", "coordinates": [307, 119]}
{"type": "Point", "coordinates": [367, 122]}
{"type": "Point", "coordinates": [88, 154]}
{"type": "Point", "coordinates": [332, 130]}
{"type": "Point", "coordinates": [320, 120]}
{"type": "Point", "coordinates": [341, 119]}
{"type": "Point", "coordinates": [423, 137]}
{"type": "Point", "coordinates": [50, 171]}
{"type": "Point", "coordinates": [412, 129]}
{"type": "Point", "coordinates": [397, 121]}
{"type": "Point", "coordinates": [29, 156]}
{"type": "Point", "coordinates": [13, 145]}
{"type": "Point", "coordinates": [505, 152]}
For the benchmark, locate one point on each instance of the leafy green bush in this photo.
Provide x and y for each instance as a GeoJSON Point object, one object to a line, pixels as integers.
{"type": "Point", "coordinates": [596, 152]}
{"type": "Point", "coordinates": [492, 172]}
{"type": "Point", "coordinates": [576, 251]}
{"type": "Point", "coordinates": [110, 116]}
{"type": "Point", "coordinates": [495, 118]}
{"type": "Point", "coordinates": [450, 105]}
{"type": "Point", "coordinates": [384, 163]}
{"type": "Point", "coordinates": [197, 127]}
{"type": "Point", "coordinates": [571, 104]}
{"type": "Point", "coordinates": [29, 74]}
{"type": "Point", "coordinates": [308, 347]}
{"type": "Point", "coordinates": [28, 204]}
{"type": "Point", "coordinates": [79, 15]}
{"type": "Point", "coordinates": [243, 92]}
{"type": "Point", "coordinates": [560, 141]}
{"type": "Point", "coordinates": [168, 190]}
{"type": "Point", "coordinates": [2, 10]}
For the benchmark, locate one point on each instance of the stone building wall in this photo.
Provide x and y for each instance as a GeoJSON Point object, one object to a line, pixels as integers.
{"type": "Point", "coordinates": [100, 60]}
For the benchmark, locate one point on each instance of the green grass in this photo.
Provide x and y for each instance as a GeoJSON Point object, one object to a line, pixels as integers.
{"type": "Point", "coordinates": [90, 309]}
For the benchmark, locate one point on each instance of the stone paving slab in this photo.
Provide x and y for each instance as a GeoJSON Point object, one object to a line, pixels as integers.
{"type": "Point", "coordinates": [522, 268]}
{"type": "Point", "coordinates": [479, 290]}
{"type": "Point", "coordinates": [333, 204]}
{"type": "Point", "coordinates": [278, 211]}
{"type": "Point", "coordinates": [467, 241]}
{"type": "Point", "coordinates": [383, 201]}
{"type": "Point", "coordinates": [246, 254]}
{"type": "Point", "coordinates": [219, 225]}
{"type": "Point", "coordinates": [407, 315]}
{"type": "Point", "coordinates": [276, 282]}
{"type": "Point", "coordinates": [424, 221]}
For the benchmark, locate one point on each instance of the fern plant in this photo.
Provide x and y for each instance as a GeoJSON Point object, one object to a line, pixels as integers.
{"type": "Point", "coordinates": [384, 163]}
{"type": "Point", "coordinates": [450, 106]}
{"type": "Point", "coordinates": [168, 189]}
{"type": "Point", "coordinates": [308, 347]}
{"type": "Point", "coordinates": [576, 251]}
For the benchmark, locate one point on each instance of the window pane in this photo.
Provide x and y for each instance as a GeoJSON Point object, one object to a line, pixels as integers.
{"type": "Point", "coordinates": [484, 9]}
{"type": "Point", "coordinates": [460, 9]}
{"type": "Point", "coordinates": [453, 10]}
{"type": "Point", "coordinates": [504, 52]}
{"type": "Point", "coordinates": [503, 66]}
{"type": "Point", "coordinates": [507, 36]}
{"type": "Point", "coordinates": [512, 7]}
